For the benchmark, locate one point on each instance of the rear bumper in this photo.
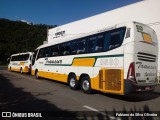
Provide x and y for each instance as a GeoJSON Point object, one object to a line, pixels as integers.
{"type": "Point", "coordinates": [130, 87]}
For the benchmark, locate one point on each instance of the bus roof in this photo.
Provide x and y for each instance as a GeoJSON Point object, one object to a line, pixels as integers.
{"type": "Point", "coordinates": [22, 53]}
{"type": "Point", "coordinates": [60, 40]}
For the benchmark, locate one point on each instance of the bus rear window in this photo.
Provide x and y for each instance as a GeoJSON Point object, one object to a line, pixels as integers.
{"type": "Point", "coordinates": [22, 57]}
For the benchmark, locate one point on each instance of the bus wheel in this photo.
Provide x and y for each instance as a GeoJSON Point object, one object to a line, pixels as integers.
{"type": "Point", "coordinates": [86, 85]}
{"type": "Point", "coordinates": [21, 71]}
{"type": "Point", "coordinates": [73, 83]}
{"type": "Point", "coordinates": [36, 74]}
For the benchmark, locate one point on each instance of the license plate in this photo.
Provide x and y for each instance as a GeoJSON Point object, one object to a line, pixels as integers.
{"type": "Point", "coordinates": [147, 88]}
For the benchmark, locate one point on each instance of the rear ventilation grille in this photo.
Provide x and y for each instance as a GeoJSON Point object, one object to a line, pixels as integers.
{"type": "Point", "coordinates": [110, 79]}
{"type": "Point", "coordinates": [113, 79]}
{"type": "Point", "coordinates": [146, 57]}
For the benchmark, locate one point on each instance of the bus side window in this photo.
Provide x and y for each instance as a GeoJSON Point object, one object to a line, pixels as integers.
{"type": "Point", "coordinates": [54, 50]}
{"type": "Point", "coordinates": [65, 48]}
{"type": "Point", "coordinates": [80, 46]}
{"type": "Point", "coordinates": [47, 52]}
{"type": "Point", "coordinates": [91, 44]}
{"type": "Point", "coordinates": [73, 47]}
{"type": "Point", "coordinates": [100, 43]}
{"type": "Point", "coordinates": [106, 41]}
{"type": "Point", "coordinates": [14, 58]}
{"type": "Point", "coordinates": [116, 38]}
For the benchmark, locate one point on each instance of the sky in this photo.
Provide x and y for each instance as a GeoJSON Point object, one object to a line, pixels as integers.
{"type": "Point", "coordinates": [57, 12]}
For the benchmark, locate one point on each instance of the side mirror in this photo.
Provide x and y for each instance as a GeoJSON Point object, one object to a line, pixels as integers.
{"type": "Point", "coordinates": [8, 60]}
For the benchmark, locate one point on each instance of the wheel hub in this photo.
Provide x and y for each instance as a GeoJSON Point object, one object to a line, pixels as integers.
{"type": "Point", "coordinates": [85, 85]}
{"type": "Point", "coordinates": [72, 82]}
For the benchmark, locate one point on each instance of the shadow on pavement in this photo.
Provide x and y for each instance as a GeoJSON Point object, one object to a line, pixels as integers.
{"type": "Point", "coordinates": [16, 100]}
{"type": "Point", "coordinates": [136, 97]}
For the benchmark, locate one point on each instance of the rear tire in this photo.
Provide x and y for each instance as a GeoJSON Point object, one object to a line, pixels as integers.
{"type": "Point", "coordinates": [36, 74]}
{"type": "Point", "coordinates": [21, 70]}
{"type": "Point", "coordinates": [73, 83]}
{"type": "Point", "coordinates": [86, 85]}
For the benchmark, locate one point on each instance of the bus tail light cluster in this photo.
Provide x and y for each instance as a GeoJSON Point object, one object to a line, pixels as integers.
{"type": "Point", "coordinates": [131, 73]}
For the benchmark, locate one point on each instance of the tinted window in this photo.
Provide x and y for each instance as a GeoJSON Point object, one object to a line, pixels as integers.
{"type": "Point", "coordinates": [65, 48]}
{"type": "Point", "coordinates": [78, 46]}
{"type": "Point", "coordinates": [41, 53]}
{"type": "Point", "coordinates": [23, 57]}
{"type": "Point", "coordinates": [14, 58]}
{"type": "Point", "coordinates": [55, 50]}
{"type": "Point", "coordinates": [115, 38]}
{"type": "Point", "coordinates": [91, 44]}
{"type": "Point", "coordinates": [47, 52]}
{"type": "Point", "coordinates": [100, 42]}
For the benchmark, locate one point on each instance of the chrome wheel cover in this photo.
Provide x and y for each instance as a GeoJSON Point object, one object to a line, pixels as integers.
{"type": "Point", "coordinates": [72, 82]}
{"type": "Point", "coordinates": [85, 85]}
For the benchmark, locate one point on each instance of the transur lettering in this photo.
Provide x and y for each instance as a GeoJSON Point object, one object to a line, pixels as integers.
{"type": "Point", "coordinates": [140, 65]}
{"type": "Point", "coordinates": [54, 62]}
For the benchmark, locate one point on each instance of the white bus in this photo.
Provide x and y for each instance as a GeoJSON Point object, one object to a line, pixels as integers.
{"type": "Point", "coordinates": [20, 62]}
{"type": "Point", "coordinates": [120, 59]}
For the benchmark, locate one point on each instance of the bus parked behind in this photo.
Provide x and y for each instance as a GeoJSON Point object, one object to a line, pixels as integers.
{"type": "Point", "coordinates": [20, 62]}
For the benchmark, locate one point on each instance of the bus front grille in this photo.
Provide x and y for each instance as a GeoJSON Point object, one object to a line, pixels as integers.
{"type": "Point", "coordinates": [146, 57]}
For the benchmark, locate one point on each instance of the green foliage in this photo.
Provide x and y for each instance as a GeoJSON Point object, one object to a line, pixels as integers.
{"type": "Point", "coordinates": [17, 37]}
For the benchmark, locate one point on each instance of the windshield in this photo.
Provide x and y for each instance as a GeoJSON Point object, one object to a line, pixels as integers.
{"type": "Point", "coordinates": [22, 57]}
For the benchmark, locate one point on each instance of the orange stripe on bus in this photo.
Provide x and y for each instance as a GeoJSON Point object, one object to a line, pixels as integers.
{"type": "Point", "coordinates": [83, 62]}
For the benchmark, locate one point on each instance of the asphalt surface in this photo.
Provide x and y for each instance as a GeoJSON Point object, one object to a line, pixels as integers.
{"type": "Point", "coordinates": [23, 92]}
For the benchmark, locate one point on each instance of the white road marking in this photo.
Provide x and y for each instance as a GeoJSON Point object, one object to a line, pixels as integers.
{"type": "Point", "coordinates": [102, 113]}
{"type": "Point", "coordinates": [90, 108]}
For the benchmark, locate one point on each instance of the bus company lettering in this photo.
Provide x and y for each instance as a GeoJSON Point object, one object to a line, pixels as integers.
{"type": "Point", "coordinates": [150, 74]}
{"type": "Point", "coordinates": [140, 65]}
{"type": "Point", "coordinates": [54, 62]}
{"type": "Point", "coordinates": [59, 34]}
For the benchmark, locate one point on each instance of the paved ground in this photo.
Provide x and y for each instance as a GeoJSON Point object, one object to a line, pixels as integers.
{"type": "Point", "coordinates": [22, 92]}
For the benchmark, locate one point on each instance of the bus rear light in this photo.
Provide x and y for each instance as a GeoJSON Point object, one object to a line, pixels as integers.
{"type": "Point", "coordinates": [131, 72]}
